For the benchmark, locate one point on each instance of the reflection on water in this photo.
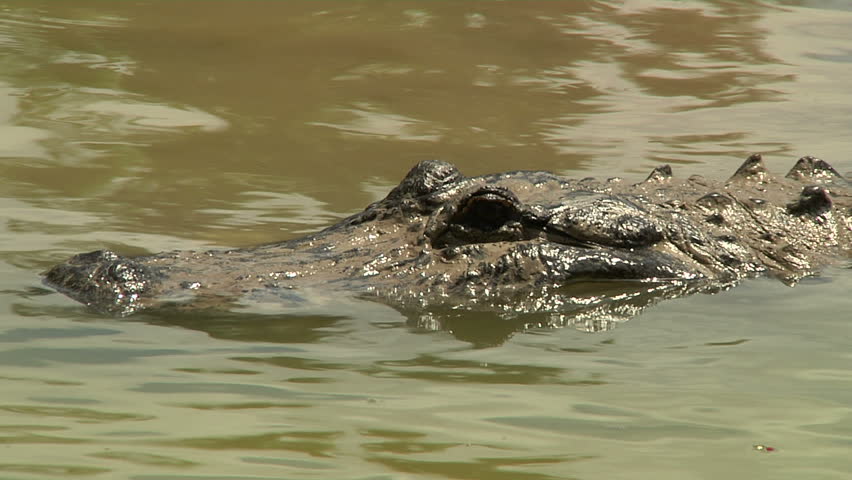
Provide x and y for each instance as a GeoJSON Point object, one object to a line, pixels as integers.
{"type": "Point", "coordinates": [248, 327]}
{"type": "Point", "coordinates": [79, 107]}
{"type": "Point", "coordinates": [145, 126]}
{"type": "Point", "coordinates": [369, 120]}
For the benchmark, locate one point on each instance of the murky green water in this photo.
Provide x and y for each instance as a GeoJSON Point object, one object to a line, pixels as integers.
{"type": "Point", "coordinates": [145, 126]}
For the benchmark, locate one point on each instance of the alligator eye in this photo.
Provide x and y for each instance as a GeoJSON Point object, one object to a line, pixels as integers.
{"type": "Point", "coordinates": [490, 214]}
{"type": "Point", "coordinates": [487, 209]}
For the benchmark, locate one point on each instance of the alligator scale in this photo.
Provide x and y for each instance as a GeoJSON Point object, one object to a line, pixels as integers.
{"type": "Point", "coordinates": [515, 242]}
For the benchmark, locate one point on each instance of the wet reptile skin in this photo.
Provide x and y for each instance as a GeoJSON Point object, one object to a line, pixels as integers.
{"type": "Point", "coordinates": [511, 242]}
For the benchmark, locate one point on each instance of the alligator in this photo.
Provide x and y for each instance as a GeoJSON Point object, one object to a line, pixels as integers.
{"type": "Point", "coordinates": [590, 251]}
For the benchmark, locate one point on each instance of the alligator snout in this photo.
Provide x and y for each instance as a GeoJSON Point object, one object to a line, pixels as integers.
{"type": "Point", "coordinates": [101, 279]}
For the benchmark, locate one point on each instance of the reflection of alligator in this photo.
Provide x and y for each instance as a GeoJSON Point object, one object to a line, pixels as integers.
{"type": "Point", "coordinates": [587, 251]}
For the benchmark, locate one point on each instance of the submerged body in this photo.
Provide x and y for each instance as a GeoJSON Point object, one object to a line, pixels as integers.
{"type": "Point", "coordinates": [513, 242]}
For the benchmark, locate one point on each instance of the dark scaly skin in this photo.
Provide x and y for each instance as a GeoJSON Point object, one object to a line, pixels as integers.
{"type": "Point", "coordinates": [513, 242]}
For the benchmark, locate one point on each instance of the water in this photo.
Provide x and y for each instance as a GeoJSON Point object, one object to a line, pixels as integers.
{"type": "Point", "coordinates": [150, 126]}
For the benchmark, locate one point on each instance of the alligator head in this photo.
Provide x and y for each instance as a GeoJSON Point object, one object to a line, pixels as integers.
{"type": "Point", "coordinates": [516, 242]}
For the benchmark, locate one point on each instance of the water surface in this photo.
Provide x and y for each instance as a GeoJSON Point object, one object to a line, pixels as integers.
{"type": "Point", "coordinates": [146, 126]}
